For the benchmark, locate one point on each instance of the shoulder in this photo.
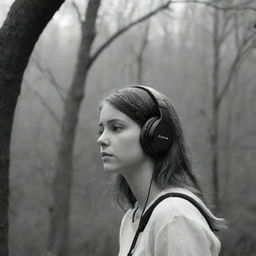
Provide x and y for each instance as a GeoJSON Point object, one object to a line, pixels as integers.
{"type": "Point", "coordinates": [183, 236]}
{"type": "Point", "coordinates": [172, 207]}
{"type": "Point", "coordinates": [176, 221]}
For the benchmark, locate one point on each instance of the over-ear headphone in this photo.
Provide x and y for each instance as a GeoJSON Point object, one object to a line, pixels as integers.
{"type": "Point", "coordinates": [156, 134]}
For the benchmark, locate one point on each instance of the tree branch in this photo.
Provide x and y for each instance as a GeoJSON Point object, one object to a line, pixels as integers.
{"type": "Point", "coordinates": [241, 52]}
{"type": "Point", "coordinates": [166, 5]}
{"type": "Point", "coordinates": [76, 8]}
{"type": "Point", "coordinates": [50, 77]}
{"type": "Point", "coordinates": [124, 29]}
{"type": "Point", "coordinates": [44, 103]}
{"type": "Point", "coordinates": [239, 7]}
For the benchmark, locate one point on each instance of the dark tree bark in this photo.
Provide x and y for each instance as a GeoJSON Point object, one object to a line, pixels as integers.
{"type": "Point", "coordinates": [18, 35]}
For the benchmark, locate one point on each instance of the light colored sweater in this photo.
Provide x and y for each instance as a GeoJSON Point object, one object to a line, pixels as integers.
{"type": "Point", "coordinates": [175, 228]}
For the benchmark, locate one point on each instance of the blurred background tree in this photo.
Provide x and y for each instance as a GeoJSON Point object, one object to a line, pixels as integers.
{"type": "Point", "coordinates": [201, 55]}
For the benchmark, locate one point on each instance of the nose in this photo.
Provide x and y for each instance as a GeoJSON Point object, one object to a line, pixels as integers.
{"type": "Point", "coordinates": [103, 140]}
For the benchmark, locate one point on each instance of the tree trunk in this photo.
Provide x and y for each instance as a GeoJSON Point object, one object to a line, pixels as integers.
{"type": "Point", "coordinates": [215, 109]}
{"type": "Point", "coordinates": [220, 89]}
{"type": "Point", "coordinates": [59, 230]}
{"type": "Point", "coordinates": [142, 49]}
{"type": "Point", "coordinates": [18, 35]}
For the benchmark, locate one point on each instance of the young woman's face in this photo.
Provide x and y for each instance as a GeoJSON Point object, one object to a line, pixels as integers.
{"type": "Point", "coordinates": [119, 141]}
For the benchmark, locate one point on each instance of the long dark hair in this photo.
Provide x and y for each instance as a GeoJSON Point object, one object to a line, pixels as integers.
{"type": "Point", "coordinates": [173, 168]}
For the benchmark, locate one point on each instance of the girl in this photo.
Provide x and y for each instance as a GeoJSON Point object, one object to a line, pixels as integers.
{"type": "Point", "coordinates": [141, 140]}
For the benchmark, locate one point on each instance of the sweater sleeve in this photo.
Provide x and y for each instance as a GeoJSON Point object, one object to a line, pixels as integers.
{"type": "Point", "coordinates": [182, 237]}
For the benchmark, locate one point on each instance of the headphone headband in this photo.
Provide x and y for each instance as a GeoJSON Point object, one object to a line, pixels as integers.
{"type": "Point", "coordinates": [156, 134]}
{"type": "Point", "coordinates": [156, 97]}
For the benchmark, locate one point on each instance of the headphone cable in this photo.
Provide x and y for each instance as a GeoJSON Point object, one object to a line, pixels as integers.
{"type": "Point", "coordinates": [137, 233]}
{"type": "Point", "coordinates": [149, 190]}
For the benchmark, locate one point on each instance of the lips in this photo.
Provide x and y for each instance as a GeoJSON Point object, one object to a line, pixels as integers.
{"type": "Point", "coordinates": [103, 154]}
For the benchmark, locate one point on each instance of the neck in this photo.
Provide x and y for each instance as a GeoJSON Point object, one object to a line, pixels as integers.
{"type": "Point", "coordinates": [139, 182]}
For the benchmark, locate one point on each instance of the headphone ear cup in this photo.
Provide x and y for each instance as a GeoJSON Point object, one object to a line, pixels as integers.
{"type": "Point", "coordinates": [145, 136]}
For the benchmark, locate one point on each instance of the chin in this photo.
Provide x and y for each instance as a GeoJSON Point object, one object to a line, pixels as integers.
{"type": "Point", "coordinates": [110, 169]}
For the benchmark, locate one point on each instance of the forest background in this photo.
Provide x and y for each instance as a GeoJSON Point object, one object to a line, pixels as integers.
{"type": "Point", "coordinates": [202, 57]}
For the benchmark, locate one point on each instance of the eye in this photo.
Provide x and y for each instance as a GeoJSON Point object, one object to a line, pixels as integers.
{"type": "Point", "coordinates": [116, 128]}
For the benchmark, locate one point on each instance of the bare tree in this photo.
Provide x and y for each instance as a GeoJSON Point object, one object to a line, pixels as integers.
{"type": "Point", "coordinates": [242, 35]}
{"type": "Point", "coordinates": [220, 86]}
{"type": "Point", "coordinates": [18, 35]}
{"type": "Point", "coordinates": [59, 228]}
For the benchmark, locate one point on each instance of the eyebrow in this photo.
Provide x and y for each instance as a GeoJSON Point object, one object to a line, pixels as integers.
{"type": "Point", "coordinates": [114, 120]}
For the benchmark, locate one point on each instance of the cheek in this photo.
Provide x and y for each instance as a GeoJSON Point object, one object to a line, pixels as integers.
{"type": "Point", "coordinates": [130, 148]}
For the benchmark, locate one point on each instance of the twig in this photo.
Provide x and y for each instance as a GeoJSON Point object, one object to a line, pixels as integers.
{"type": "Point", "coordinates": [45, 104]}
{"type": "Point", "coordinates": [50, 77]}
{"type": "Point", "coordinates": [124, 29]}
{"type": "Point", "coordinates": [95, 55]}
{"type": "Point", "coordinates": [241, 52]}
{"type": "Point", "coordinates": [76, 8]}
{"type": "Point", "coordinates": [240, 7]}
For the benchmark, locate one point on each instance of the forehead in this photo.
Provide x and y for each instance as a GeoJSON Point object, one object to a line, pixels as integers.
{"type": "Point", "coordinates": [109, 112]}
